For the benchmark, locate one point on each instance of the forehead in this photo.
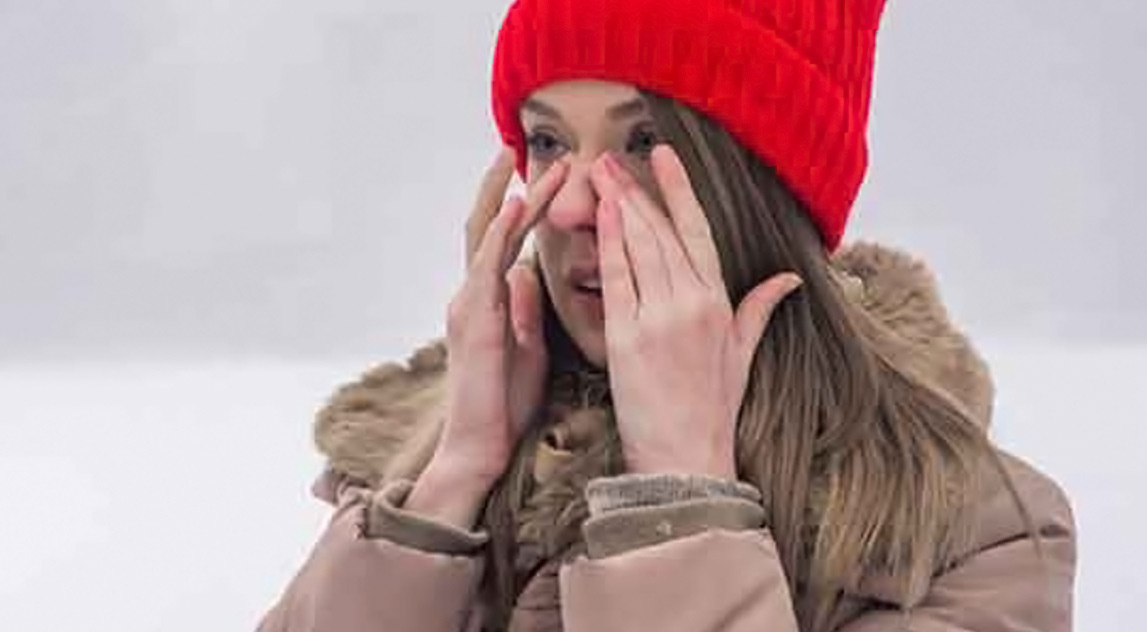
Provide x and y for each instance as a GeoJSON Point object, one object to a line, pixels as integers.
{"type": "Point", "coordinates": [580, 96]}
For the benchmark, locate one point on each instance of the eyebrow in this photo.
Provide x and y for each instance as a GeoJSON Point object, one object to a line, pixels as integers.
{"type": "Point", "coordinates": [619, 111]}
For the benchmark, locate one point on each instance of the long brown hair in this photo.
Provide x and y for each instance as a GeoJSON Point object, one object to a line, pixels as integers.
{"type": "Point", "coordinates": [866, 467]}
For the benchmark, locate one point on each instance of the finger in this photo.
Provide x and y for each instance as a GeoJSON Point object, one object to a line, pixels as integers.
{"type": "Point", "coordinates": [646, 262]}
{"type": "Point", "coordinates": [491, 194]}
{"type": "Point", "coordinates": [687, 215]}
{"type": "Point", "coordinates": [525, 304]}
{"type": "Point", "coordinates": [618, 293]}
{"type": "Point", "coordinates": [486, 273]}
{"type": "Point", "coordinates": [538, 199]}
{"type": "Point", "coordinates": [502, 242]}
{"type": "Point", "coordinates": [756, 310]}
{"type": "Point", "coordinates": [505, 234]}
{"type": "Point", "coordinates": [641, 215]}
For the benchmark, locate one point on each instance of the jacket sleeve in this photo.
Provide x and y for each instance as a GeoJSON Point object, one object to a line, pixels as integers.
{"type": "Point", "coordinates": [702, 564]}
{"type": "Point", "coordinates": [1007, 584]}
{"type": "Point", "coordinates": [378, 568]}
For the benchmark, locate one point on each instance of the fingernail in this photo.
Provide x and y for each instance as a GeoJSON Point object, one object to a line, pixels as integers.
{"type": "Point", "coordinates": [613, 166]}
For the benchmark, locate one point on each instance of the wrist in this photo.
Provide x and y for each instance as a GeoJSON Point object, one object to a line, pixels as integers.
{"type": "Point", "coordinates": [448, 495]}
{"type": "Point", "coordinates": [713, 467]}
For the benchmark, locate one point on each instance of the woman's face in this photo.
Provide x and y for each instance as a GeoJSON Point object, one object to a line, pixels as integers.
{"type": "Point", "coordinates": [577, 122]}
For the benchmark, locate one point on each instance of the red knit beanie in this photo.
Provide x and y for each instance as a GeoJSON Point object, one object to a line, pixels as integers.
{"type": "Point", "coordinates": [790, 79]}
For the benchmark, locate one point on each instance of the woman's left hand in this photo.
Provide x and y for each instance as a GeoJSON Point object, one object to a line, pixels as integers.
{"type": "Point", "coordinates": [678, 355]}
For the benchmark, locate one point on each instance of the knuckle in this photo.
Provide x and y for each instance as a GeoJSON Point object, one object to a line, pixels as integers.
{"type": "Point", "coordinates": [649, 337]}
{"type": "Point", "coordinates": [704, 312]}
{"type": "Point", "coordinates": [715, 314]}
{"type": "Point", "coordinates": [454, 317]}
{"type": "Point", "coordinates": [484, 339]}
{"type": "Point", "coordinates": [477, 330]}
{"type": "Point", "coordinates": [480, 215]}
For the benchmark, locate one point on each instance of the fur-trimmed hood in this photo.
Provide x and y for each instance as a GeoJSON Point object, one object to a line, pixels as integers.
{"type": "Point", "coordinates": [384, 424]}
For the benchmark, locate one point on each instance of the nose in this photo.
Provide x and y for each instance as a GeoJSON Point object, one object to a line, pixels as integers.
{"type": "Point", "coordinates": [574, 206]}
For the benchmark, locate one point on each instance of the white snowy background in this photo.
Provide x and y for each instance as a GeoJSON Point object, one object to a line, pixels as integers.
{"type": "Point", "coordinates": [212, 213]}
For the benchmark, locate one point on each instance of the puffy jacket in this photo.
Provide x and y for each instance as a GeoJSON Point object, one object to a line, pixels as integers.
{"type": "Point", "coordinates": [694, 562]}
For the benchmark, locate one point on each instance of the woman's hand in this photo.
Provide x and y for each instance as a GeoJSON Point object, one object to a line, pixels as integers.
{"type": "Point", "coordinates": [497, 359]}
{"type": "Point", "coordinates": [678, 355]}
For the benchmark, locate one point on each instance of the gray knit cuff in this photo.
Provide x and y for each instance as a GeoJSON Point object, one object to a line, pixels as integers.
{"type": "Point", "coordinates": [646, 490]}
{"type": "Point", "coordinates": [624, 530]}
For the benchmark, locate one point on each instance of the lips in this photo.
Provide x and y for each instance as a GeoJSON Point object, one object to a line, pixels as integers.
{"type": "Point", "coordinates": [593, 287]}
{"type": "Point", "coordinates": [585, 283]}
{"type": "Point", "coordinates": [586, 280]}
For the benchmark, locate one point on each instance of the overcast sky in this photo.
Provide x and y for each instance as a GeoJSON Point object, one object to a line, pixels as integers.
{"type": "Point", "coordinates": [289, 177]}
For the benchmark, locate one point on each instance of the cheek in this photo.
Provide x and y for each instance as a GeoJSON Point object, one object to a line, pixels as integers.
{"type": "Point", "coordinates": [642, 172]}
{"type": "Point", "coordinates": [534, 170]}
{"type": "Point", "coordinates": [552, 247]}
{"type": "Point", "coordinates": [547, 245]}
{"type": "Point", "coordinates": [639, 168]}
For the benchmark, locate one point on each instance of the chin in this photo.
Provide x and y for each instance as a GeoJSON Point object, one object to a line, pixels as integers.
{"type": "Point", "coordinates": [582, 321]}
{"type": "Point", "coordinates": [586, 334]}
{"type": "Point", "coordinates": [592, 346]}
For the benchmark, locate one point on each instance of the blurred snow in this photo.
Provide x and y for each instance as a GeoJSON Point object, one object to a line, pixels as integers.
{"type": "Point", "coordinates": [154, 496]}
{"type": "Point", "coordinates": [171, 497]}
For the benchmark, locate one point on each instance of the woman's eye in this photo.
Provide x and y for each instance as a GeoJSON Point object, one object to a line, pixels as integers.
{"type": "Point", "coordinates": [642, 141]}
{"type": "Point", "coordinates": [543, 145]}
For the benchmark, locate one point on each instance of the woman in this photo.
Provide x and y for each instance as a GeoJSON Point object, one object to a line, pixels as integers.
{"type": "Point", "coordinates": [616, 442]}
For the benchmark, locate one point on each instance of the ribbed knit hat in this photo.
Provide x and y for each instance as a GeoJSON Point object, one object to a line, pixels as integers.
{"type": "Point", "coordinates": [790, 79]}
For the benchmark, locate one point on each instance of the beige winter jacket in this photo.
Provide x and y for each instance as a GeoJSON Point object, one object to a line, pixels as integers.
{"type": "Point", "coordinates": [695, 559]}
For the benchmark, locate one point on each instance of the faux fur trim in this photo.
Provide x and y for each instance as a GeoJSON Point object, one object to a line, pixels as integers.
{"type": "Point", "coordinates": [902, 294]}
{"type": "Point", "coordinates": [384, 424]}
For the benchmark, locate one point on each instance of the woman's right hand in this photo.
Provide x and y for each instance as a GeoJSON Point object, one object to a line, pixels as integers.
{"type": "Point", "coordinates": [497, 358]}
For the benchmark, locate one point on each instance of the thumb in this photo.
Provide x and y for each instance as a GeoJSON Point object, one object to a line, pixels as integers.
{"type": "Point", "coordinates": [757, 307]}
{"type": "Point", "coordinates": [525, 304]}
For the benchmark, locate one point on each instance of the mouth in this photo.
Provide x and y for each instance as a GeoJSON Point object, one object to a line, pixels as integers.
{"type": "Point", "coordinates": [586, 282]}
{"type": "Point", "coordinates": [591, 288]}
